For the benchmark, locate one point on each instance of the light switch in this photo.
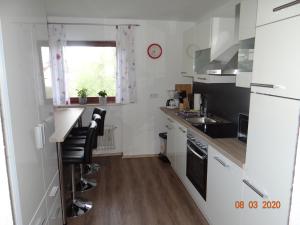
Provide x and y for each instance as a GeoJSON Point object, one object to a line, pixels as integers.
{"type": "Point", "coordinates": [154, 95]}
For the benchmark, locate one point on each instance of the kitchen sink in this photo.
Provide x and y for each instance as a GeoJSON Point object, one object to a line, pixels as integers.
{"type": "Point", "coordinates": [200, 120]}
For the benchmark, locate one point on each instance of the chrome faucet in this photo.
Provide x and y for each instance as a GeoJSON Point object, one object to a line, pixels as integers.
{"type": "Point", "coordinates": [204, 107]}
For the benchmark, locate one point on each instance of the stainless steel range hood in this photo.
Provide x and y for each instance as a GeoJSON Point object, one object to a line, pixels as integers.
{"type": "Point", "coordinates": [226, 64]}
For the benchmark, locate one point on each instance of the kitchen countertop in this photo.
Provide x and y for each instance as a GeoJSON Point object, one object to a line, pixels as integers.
{"type": "Point", "coordinates": [231, 148]}
{"type": "Point", "coordinates": [64, 120]}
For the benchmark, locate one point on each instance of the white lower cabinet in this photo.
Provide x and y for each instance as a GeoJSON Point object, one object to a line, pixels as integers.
{"type": "Point", "coordinates": [176, 147]}
{"type": "Point", "coordinates": [224, 188]}
{"type": "Point", "coordinates": [180, 151]}
{"type": "Point", "coordinates": [171, 141]}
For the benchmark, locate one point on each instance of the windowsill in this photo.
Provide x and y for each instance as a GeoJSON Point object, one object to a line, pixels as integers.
{"type": "Point", "coordinates": [87, 105]}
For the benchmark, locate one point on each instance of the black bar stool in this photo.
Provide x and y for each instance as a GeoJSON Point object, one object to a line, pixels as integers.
{"type": "Point", "coordinates": [78, 131]}
{"type": "Point", "coordinates": [79, 155]}
{"type": "Point", "coordinates": [79, 141]}
{"type": "Point", "coordinates": [94, 167]}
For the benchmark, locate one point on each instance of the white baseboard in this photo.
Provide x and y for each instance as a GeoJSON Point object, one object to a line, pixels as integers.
{"type": "Point", "coordinates": [140, 156]}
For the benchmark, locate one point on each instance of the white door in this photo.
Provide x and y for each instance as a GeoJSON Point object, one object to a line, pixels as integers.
{"type": "Point", "coordinates": [19, 62]}
{"type": "Point", "coordinates": [266, 14]}
{"type": "Point", "coordinates": [276, 59]}
{"type": "Point", "coordinates": [272, 138]}
{"type": "Point", "coordinates": [181, 137]}
{"type": "Point", "coordinates": [224, 188]}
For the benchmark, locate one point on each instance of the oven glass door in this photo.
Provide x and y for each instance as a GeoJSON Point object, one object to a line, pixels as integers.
{"type": "Point", "coordinates": [196, 168]}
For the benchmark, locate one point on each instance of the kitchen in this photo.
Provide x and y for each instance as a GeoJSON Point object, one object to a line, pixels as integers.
{"type": "Point", "coordinates": [231, 130]}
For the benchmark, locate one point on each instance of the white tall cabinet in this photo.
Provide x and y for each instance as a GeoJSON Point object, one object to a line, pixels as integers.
{"type": "Point", "coordinates": [270, 158]}
{"type": "Point", "coordinates": [274, 115]}
{"type": "Point", "coordinates": [34, 171]}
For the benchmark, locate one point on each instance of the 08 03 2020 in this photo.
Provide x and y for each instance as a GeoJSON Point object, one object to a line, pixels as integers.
{"type": "Point", "coordinates": [257, 204]}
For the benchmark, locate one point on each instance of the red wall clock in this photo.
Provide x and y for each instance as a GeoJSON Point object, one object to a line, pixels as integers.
{"type": "Point", "coordinates": [154, 51]}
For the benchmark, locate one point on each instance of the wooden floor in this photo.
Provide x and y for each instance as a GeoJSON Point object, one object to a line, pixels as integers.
{"type": "Point", "coordinates": [140, 191]}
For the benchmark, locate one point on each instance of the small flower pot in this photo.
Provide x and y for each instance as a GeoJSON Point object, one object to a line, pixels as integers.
{"type": "Point", "coordinates": [102, 100]}
{"type": "Point", "coordinates": [82, 101]}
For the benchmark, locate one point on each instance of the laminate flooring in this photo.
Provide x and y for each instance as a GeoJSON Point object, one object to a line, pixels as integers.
{"type": "Point", "coordinates": [138, 191]}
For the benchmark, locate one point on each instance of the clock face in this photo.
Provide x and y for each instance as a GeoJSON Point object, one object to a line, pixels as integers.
{"type": "Point", "coordinates": [154, 51]}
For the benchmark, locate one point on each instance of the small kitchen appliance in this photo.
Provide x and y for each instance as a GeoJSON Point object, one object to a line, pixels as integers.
{"type": "Point", "coordinates": [243, 127]}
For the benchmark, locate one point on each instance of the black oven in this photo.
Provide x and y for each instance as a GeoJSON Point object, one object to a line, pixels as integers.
{"type": "Point", "coordinates": [196, 166]}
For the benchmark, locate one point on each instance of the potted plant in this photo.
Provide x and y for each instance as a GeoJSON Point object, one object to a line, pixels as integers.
{"type": "Point", "coordinates": [82, 95]}
{"type": "Point", "coordinates": [102, 97]}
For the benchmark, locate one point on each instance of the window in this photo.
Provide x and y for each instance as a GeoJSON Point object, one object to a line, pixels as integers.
{"type": "Point", "coordinates": [88, 64]}
{"type": "Point", "coordinates": [91, 65]}
{"type": "Point", "coordinates": [46, 68]}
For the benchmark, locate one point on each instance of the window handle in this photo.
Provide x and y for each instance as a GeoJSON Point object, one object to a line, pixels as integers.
{"type": "Point", "coordinates": [287, 5]}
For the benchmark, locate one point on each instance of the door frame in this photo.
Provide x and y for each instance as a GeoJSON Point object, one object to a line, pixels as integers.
{"type": "Point", "coordinates": [9, 172]}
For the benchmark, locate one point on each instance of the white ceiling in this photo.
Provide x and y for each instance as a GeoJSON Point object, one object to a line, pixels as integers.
{"type": "Point", "coordinates": [180, 10]}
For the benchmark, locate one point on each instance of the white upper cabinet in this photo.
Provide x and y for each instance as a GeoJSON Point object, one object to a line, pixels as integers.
{"type": "Point", "coordinates": [196, 38]}
{"type": "Point", "coordinates": [203, 34]}
{"type": "Point", "coordinates": [271, 147]}
{"type": "Point", "coordinates": [188, 50]}
{"type": "Point", "coordinates": [248, 13]}
{"type": "Point", "coordinates": [276, 65]}
{"type": "Point", "coordinates": [273, 10]}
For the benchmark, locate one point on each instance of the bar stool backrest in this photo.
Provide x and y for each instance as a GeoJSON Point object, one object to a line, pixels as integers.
{"type": "Point", "coordinates": [96, 111]}
{"type": "Point", "coordinates": [101, 129]}
{"type": "Point", "coordinates": [89, 142]}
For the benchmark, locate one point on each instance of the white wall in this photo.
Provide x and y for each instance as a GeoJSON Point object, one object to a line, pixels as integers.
{"type": "Point", "coordinates": [139, 124]}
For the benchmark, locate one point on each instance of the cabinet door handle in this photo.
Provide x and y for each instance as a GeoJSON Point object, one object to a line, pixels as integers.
{"type": "Point", "coordinates": [182, 130]}
{"type": "Point", "coordinates": [267, 86]}
{"type": "Point", "coordinates": [220, 161]}
{"type": "Point", "coordinates": [287, 5]}
{"type": "Point", "coordinates": [183, 72]}
{"type": "Point", "coordinates": [53, 191]}
{"type": "Point", "coordinates": [201, 78]}
{"type": "Point", "coordinates": [261, 194]}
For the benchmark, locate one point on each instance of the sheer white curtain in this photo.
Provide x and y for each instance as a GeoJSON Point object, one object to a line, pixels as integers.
{"type": "Point", "coordinates": [126, 77]}
{"type": "Point", "coordinates": [57, 41]}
